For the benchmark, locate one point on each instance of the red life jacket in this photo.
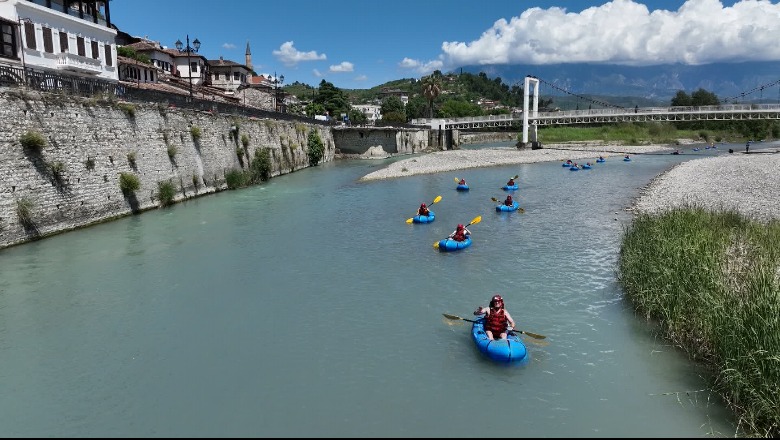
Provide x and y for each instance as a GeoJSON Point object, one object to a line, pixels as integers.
{"type": "Point", "coordinates": [496, 322]}
{"type": "Point", "coordinates": [459, 235]}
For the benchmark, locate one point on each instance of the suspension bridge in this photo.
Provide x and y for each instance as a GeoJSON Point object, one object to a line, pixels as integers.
{"type": "Point", "coordinates": [531, 118]}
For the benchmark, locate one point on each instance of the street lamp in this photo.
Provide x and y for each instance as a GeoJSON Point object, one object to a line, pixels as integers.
{"type": "Point", "coordinates": [195, 46]}
{"type": "Point", "coordinates": [278, 81]}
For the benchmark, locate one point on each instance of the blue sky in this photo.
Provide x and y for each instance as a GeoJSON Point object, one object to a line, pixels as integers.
{"type": "Point", "coordinates": [358, 44]}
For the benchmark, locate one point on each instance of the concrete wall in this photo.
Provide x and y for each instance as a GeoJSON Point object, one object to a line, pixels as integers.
{"type": "Point", "coordinates": [475, 138]}
{"type": "Point", "coordinates": [357, 140]}
{"type": "Point", "coordinates": [92, 138]}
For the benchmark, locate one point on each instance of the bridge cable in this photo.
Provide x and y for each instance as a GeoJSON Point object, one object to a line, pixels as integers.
{"type": "Point", "coordinates": [753, 90]}
{"type": "Point", "coordinates": [595, 101]}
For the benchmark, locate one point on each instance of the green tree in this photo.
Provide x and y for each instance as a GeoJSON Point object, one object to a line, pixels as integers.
{"type": "Point", "coordinates": [681, 99]}
{"type": "Point", "coordinates": [392, 104]}
{"type": "Point", "coordinates": [416, 107]}
{"type": "Point", "coordinates": [703, 97]}
{"type": "Point", "coordinates": [431, 88]}
{"type": "Point", "coordinates": [316, 148]}
{"type": "Point", "coordinates": [333, 99]}
{"type": "Point", "coordinates": [454, 108]}
{"type": "Point", "coordinates": [356, 116]}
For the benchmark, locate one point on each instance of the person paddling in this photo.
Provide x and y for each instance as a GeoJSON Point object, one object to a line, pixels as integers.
{"type": "Point", "coordinates": [423, 211]}
{"type": "Point", "coordinates": [497, 319]}
{"type": "Point", "coordinates": [460, 233]}
{"type": "Point", "coordinates": [509, 201]}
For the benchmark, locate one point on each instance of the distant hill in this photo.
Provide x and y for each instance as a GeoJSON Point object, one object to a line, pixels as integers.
{"type": "Point", "coordinates": [656, 83]}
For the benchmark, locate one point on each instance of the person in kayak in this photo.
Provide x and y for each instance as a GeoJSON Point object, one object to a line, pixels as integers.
{"type": "Point", "coordinates": [511, 182]}
{"type": "Point", "coordinates": [509, 201]}
{"type": "Point", "coordinates": [462, 182]}
{"type": "Point", "coordinates": [497, 319]}
{"type": "Point", "coordinates": [423, 210]}
{"type": "Point", "coordinates": [460, 233]}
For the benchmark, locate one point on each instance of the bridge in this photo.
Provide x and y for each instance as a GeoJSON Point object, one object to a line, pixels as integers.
{"type": "Point", "coordinates": [531, 118]}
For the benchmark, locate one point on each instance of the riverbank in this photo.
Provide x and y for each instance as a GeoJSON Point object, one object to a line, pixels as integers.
{"type": "Point", "coordinates": [442, 161]}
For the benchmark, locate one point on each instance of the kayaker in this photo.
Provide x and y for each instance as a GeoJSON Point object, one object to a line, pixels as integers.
{"type": "Point", "coordinates": [509, 201]}
{"type": "Point", "coordinates": [497, 319]}
{"type": "Point", "coordinates": [462, 182]}
{"type": "Point", "coordinates": [460, 233]}
{"type": "Point", "coordinates": [511, 182]}
{"type": "Point", "coordinates": [423, 210]}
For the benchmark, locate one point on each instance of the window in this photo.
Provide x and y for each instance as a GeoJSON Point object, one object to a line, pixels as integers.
{"type": "Point", "coordinates": [63, 42]}
{"type": "Point", "coordinates": [193, 68]}
{"type": "Point", "coordinates": [7, 40]}
{"type": "Point", "coordinates": [80, 46]}
{"type": "Point", "coordinates": [236, 76]}
{"type": "Point", "coordinates": [95, 50]}
{"type": "Point", "coordinates": [216, 77]}
{"type": "Point", "coordinates": [29, 34]}
{"type": "Point", "coordinates": [109, 55]}
{"type": "Point", "coordinates": [48, 41]}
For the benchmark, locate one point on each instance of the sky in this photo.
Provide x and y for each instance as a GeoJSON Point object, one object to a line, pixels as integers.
{"type": "Point", "coordinates": [359, 44]}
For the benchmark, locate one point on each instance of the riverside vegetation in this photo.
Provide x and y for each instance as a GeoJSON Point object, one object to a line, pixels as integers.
{"type": "Point", "coordinates": [711, 280]}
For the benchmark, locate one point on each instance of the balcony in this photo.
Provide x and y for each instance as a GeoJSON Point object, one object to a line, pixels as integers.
{"type": "Point", "coordinates": [76, 63]}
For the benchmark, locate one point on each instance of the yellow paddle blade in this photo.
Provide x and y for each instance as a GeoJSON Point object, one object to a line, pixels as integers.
{"type": "Point", "coordinates": [521, 210]}
{"type": "Point", "coordinates": [436, 245]}
{"type": "Point", "coordinates": [494, 199]}
{"type": "Point", "coordinates": [410, 220]}
{"type": "Point", "coordinates": [436, 200]}
{"type": "Point", "coordinates": [457, 180]}
{"type": "Point", "coordinates": [476, 220]}
{"type": "Point", "coordinates": [448, 316]}
{"type": "Point", "coordinates": [516, 176]}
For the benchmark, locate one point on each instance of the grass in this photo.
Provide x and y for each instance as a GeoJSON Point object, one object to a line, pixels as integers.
{"type": "Point", "coordinates": [626, 133]}
{"type": "Point", "coordinates": [24, 212]}
{"type": "Point", "coordinates": [166, 192]}
{"type": "Point", "coordinates": [712, 281]}
{"type": "Point", "coordinates": [33, 141]}
{"type": "Point", "coordinates": [129, 183]}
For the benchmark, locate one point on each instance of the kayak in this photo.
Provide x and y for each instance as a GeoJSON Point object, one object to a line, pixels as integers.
{"type": "Point", "coordinates": [508, 351]}
{"type": "Point", "coordinates": [424, 218]}
{"type": "Point", "coordinates": [462, 187]}
{"type": "Point", "coordinates": [503, 207]}
{"type": "Point", "coordinates": [574, 168]}
{"type": "Point", "coordinates": [565, 164]}
{"type": "Point", "coordinates": [600, 160]}
{"type": "Point", "coordinates": [509, 188]}
{"type": "Point", "coordinates": [626, 159]}
{"type": "Point", "coordinates": [585, 167]}
{"type": "Point", "coordinates": [449, 245]}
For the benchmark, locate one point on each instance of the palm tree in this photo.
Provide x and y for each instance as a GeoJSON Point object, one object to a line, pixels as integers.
{"type": "Point", "coordinates": [431, 88]}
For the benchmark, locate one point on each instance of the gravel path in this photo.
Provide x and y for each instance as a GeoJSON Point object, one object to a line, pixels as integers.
{"type": "Point", "coordinates": [747, 183]}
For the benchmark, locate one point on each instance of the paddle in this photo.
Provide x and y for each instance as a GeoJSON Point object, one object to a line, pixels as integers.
{"type": "Point", "coordinates": [476, 220]}
{"type": "Point", "coordinates": [533, 335]}
{"type": "Point", "coordinates": [519, 209]}
{"type": "Point", "coordinates": [457, 180]}
{"type": "Point", "coordinates": [436, 200]}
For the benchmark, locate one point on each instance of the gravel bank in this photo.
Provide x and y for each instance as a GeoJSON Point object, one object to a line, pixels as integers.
{"type": "Point", "coordinates": [747, 183]}
{"type": "Point", "coordinates": [441, 161]}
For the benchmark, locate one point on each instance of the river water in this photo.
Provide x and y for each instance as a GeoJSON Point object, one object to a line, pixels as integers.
{"type": "Point", "coordinates": [307, 306]}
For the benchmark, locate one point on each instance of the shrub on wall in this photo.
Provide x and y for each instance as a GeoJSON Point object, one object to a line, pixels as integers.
{"type": "Point", "coordinates": [33, 140]}
{"type": "Point", "coordinates": [131, 158]}
{"type": "Point", "coordinates": [195, 132]}
{"type": "Point", "coordinates": [172, 150]}
{"type": "Point", "coordinates": [316, 149]}
{"type": "Point", "coordinates": [235, 179]}
{"type": "Point", "coordinates": [89, 163]}
{"type": "Point", "coordinates": [129, 183]}
{"type": "Point", "coordinates": [166, 192]}
{"type": "Point", "coordinates": [57, 169]}
{"type": "Point", "coordinates": [128, 108]}
{"type": "Point", "coordinates": [260, 168]}
{"type": "Point", "coordinates": [244, 140]}
{"type": "Point", "coordinates": [24, 211]}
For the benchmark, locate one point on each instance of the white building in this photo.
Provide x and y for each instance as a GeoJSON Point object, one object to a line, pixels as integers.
{"type": "Point", "coordinates": [372, 112]}
{"type": "Point", "coordinates": [70, 37]}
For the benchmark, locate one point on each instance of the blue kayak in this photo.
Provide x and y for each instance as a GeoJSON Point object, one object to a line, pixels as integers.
{"type": "Point", "coordinates": [507, 351]}
{"type": "Point", "coordinates": [600, 160]}
{"type": "Point", "coordinates": [504, 208]}
{"type": "Point", "coordinates": [449, 245]}
{"type": "Point", "coordinates": [625, 159]}
{"type": "Point", "coordinates": [566, 164]}
{"type": "Point", "coordinates": [509, 188]}
{"type": "Point", "coordinates": [462, 187]}
{"type": "Point", "coordinates": [585, 167]}
{"type": "Point", "coordinates": [424, 218]}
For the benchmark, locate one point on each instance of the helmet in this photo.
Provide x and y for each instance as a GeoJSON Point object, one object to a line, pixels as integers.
{"type": "Point", "coordinates": [422, 206]}
{"type": "Point", "coordinates": [460, 226]}
{"type": "Point", "coordinates": [497, 301]}
{"type": "Point", "coordinates": [509, 197]}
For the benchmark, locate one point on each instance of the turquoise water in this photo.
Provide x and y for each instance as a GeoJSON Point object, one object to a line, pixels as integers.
{"type": "Point", "coordinates": [307, 306]}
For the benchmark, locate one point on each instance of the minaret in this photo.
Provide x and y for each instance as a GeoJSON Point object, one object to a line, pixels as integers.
{"type": "Point", "coordinates": [248, 56]}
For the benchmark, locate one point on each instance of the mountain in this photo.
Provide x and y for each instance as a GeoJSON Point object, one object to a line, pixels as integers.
{"type": "Point", "coordinates": [661, 82]}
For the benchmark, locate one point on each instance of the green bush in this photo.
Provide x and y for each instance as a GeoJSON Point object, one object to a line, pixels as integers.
{"type": "Point", "coordinates": [129, 183]}
{"type": "Point", "coordinates": [244, 140]}
{"type": "Point", "coordinates": [172, 150]}
{"type": "Point", "coordinates": [33, 140]}
{"type": "Point", "coordinates": [235, 179]}
{"type": "Point", "coordinates": [128, 108]}
{"type": "Point", "coordinates": [166, 192]}
{"type": "Point", "coordinates": [131, 158]}
{"type": "Point", "coordinates": [316, 149]}
{"type": "Point", "coordinates": [260, 168]}
{"type": "Point", "coordinates": [24, 211]}
{"type": "Point", "coordinates": [195, 132]}
{"type": "Point", "coordinates": [57, 169]}
{"type": "Point", "coordinates": [194, 180]}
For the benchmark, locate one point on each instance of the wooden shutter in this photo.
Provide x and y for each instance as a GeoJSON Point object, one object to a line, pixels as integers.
{"type": "Point", "coordinates": [109, 55]}
{"type": "Point", "coordinates": [63, 42]}
{"type": "Point", "coordinates": [80, 46]}
{"type": "Point", "coordinates": [48, 41]}
{"type": "Point", "coordinates": [29, 35]}
{"type": "Point", "coordinates": [95, 50]}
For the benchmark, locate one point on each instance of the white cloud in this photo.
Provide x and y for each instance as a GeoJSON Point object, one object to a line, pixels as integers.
{"type": "Point", "coordinates": [625, 32]}
{"type": "Point", "coordinates": [316, 73]}
{"type": "Point", "coordinates": [290, 56]}
{"type": "Point", "coordinates": [423, 68]}
{"type": "Point", "coordinates": [228, 46]}
{"type": "Point", "coordinates": [361, 78]}
{"type": "Point", "coordinates": [344, 66]}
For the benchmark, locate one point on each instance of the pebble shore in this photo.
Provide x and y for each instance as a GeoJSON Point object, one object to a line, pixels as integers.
{"type": "Point", "coordinates": [747, 183]}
